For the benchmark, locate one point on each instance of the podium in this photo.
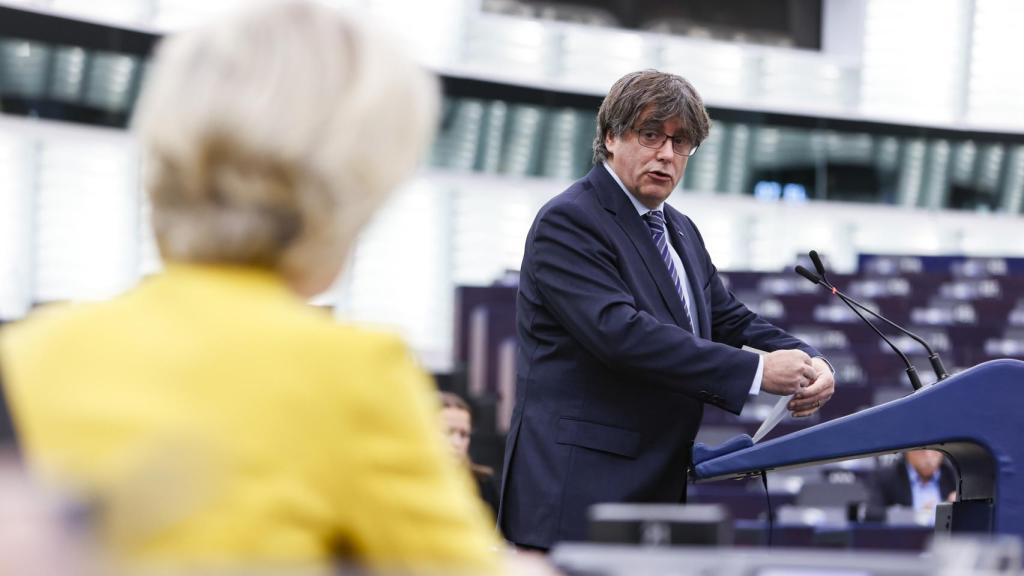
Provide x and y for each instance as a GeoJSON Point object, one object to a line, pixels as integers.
{"type": "Point", "coordinates": [975, 417]}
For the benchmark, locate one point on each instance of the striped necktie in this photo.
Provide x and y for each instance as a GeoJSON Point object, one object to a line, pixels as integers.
{"type": "Point", "coordinates": [656, 222]}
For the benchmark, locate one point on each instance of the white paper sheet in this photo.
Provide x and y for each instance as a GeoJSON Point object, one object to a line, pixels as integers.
{"type": "Point", "coordinates": [778, 413]}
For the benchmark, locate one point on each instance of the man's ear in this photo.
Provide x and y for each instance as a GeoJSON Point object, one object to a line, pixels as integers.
{"type": "Point", "coordinates": [610, 142]}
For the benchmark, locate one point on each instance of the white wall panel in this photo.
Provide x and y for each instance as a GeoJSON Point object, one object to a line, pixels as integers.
{"type": "Point", "coordinates": [15, 225]}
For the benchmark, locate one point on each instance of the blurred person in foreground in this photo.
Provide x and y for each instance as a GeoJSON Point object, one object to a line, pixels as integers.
{"type": "Point", "coordinates": [919, 479]}
{"type": "Point", "coordinates": [458, 423]}
{"type": "Point", "coordinates": [33, 540]}
{"type": "Point", "coordinates": [209, 416]}
{"type": "Point", "coordinates": [626, 330]}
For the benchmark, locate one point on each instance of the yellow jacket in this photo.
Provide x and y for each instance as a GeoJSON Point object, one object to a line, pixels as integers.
{"type": "Point", "coordinates": [211, 415]}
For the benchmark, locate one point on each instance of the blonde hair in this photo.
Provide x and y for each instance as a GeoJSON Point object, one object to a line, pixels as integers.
{"type": "Point", "coordinates": [271, 137]}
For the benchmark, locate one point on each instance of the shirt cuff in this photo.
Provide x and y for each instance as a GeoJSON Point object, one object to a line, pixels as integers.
{"type": "Point", "coordinates": [827, 363]}
{"type": "Point", "coordinates": [755, 387]}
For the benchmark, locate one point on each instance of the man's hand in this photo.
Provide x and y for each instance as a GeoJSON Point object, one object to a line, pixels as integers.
{"type": "Point", "coordinates": [786, 372]}
{"type": "Point", "coordinates": [809, 399]}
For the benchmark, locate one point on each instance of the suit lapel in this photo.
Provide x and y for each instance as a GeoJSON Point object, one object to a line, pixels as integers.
{"type": "Point", "coordinates": [614, 200]}
{"type": "Point", "coordinates": [685, 247]}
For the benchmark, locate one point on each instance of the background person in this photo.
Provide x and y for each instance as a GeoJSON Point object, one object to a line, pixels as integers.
{"type": "Point", "coordinates": [458, 422]}
{"type": "Point", "coordinates": [919, 479]}
{"type": "Point", "coordinates": [210, 415]}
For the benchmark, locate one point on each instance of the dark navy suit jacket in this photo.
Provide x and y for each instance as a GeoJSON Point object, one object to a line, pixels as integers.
{"type": "Point", "coordinates": [610, 385]}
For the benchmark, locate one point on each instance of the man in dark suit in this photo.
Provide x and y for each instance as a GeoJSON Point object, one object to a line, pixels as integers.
{"type": "Point", "coordinates": [626, 330]}
{"type": "Point", "coordinates": [921, 480]}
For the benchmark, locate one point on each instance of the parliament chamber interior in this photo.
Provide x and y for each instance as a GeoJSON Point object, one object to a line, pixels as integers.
{"type": "Point", "coordinates": [886, 135]}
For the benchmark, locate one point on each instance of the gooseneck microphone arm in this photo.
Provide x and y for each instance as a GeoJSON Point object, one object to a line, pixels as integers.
{"type": "Point", "coordinates": [933, 356]}
{"type": "Point", "coordinates": [915, 380]}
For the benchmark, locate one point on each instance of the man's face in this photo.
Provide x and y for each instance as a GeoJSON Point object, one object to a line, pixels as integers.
{"type": "Point", "coordinates": [649, 174]}
{"type": "Point", "coordinates": [926, 462]}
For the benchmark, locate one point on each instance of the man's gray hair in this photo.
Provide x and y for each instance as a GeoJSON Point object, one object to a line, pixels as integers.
{"type": "Point", "coordinates": [660, 96]}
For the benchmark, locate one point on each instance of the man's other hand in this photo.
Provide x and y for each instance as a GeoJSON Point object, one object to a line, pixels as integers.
{"type": "Point", "coordinates": [810, 398]}
{"type": "Point", "coordinates": [786, 372]}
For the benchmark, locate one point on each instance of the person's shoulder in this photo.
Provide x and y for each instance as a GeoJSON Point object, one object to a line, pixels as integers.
{"type": "Point", "coordinates": [359, 369]}
{"type": "Point", "coordinates": [678, 216]}
{"type": "Point", "coordinates": [579, 202]}
{"type": "Point", "coordinates": [328, 340]}
{"type": "Point", "coordinates": [580, 191]}
{"type": "Point", "coordinates": [683, 223]}
{"type": "Point", "coordinates": [52, 323]}
{"type": "Point", "coordinates": [674, 212]}
{"type": "Point", "coordinates": [366, 343]}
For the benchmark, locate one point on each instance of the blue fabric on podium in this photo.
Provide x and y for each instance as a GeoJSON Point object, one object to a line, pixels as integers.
{"type": "Point", "coordinates": [702, 451]}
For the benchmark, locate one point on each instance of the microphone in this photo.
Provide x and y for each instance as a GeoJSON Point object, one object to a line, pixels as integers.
{"type": "Point", "coordinates": [915, 380]}
{"type": "Point", "coordinates": [818, 266]}
{"type": "Point", "coordinates": [933, 356]}
{"type": "Point", "coordinates": [814, 278]}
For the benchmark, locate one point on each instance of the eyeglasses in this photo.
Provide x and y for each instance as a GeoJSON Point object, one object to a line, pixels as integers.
{"type": "Point", "coordinates": [649, 138]}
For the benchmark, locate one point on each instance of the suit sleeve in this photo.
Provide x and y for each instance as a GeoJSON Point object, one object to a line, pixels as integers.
{"type": "Point", "coordinates": [410, 504]}
{"type": "Point", "coordinates": [575, 271]}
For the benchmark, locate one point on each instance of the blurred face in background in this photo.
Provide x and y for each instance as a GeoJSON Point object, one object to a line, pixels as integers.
{"type": "Point", "coordinates": [458, 425]}
{"type": "Point", "coordinates": [925, 462]}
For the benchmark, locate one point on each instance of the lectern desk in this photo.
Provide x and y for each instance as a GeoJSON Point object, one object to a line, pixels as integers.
{"type": "Point", "coordinates": [976, 417]}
